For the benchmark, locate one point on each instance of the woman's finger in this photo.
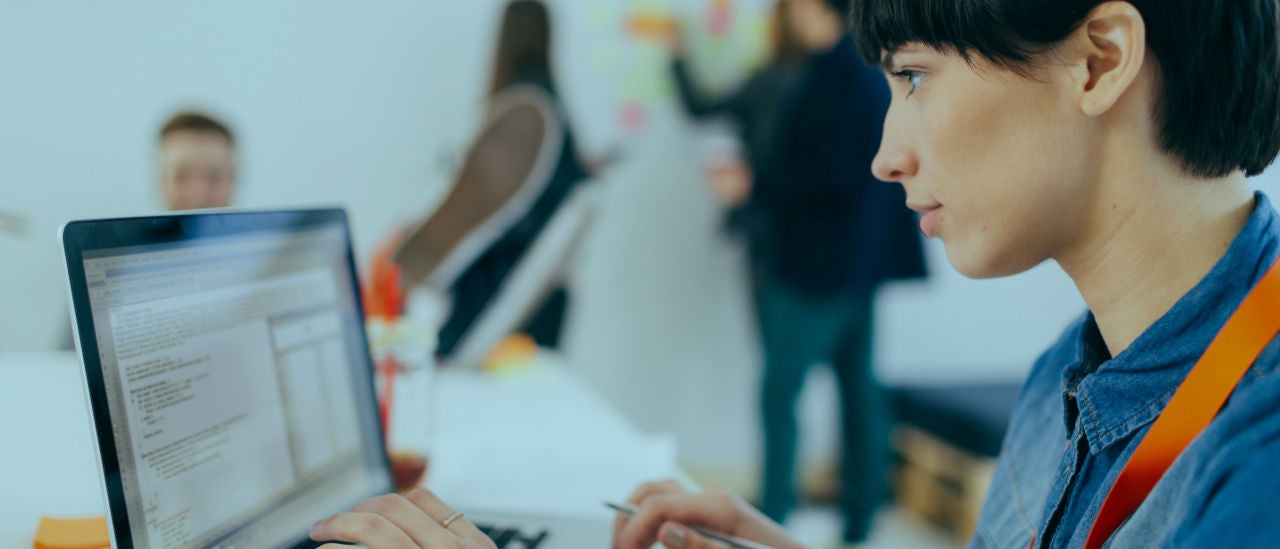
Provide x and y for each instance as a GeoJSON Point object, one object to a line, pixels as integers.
{"type": "Point", "coordinates": [367, 529]}
{"type": "Point", "coordinates": [677, 536]}
{"type": "Point", "coordinates": [422, 528]}
{"type": "Point", "coordinates": [439, 511]}
{"type": "Point", "coordinates": [642, 493]}
{"type": "Point", "coordinates": [641, 530]}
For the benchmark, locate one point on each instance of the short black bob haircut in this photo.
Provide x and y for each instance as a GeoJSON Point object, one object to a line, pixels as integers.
{"type": "Point", "coordinates": [1219, 105]}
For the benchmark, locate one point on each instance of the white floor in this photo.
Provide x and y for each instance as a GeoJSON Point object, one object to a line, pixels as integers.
{"type": "Point", "coordinates": [820, 528]}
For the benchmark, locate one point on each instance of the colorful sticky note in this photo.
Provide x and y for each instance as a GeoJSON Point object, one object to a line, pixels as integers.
{"type": "Point", "coordinates": [651, 26]}
{"type": "Point", "coordinates": [72, 533]}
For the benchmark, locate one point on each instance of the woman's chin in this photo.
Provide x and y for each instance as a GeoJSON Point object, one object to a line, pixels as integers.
{"type": "Point", "coordinates": [978, 265]}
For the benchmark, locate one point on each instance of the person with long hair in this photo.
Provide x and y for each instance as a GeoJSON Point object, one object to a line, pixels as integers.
{"type": "Point", "coordinates": [522, 58]}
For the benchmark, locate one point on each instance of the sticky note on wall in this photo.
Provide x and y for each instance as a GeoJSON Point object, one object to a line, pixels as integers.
{"type": "Point", "coordinates": [651, 26]}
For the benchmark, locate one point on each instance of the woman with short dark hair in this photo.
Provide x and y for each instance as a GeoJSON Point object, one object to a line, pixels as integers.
{"type": "Point", "coordinates": [1113, 138]}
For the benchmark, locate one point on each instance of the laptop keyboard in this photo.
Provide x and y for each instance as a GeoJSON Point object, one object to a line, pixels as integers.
{"type": "Point", "coordinates": [513, 538]}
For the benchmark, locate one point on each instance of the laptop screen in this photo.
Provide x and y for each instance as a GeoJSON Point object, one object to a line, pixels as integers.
{"type": "Point", "coordinates": [236, 380]}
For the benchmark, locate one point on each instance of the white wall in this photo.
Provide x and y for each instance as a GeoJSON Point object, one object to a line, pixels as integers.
{"type": "Point", "coordinates": [356, 103]}
{"type": "Point", "coordinates": [333, 102]}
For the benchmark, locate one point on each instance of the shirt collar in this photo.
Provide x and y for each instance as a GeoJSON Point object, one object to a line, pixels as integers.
{"type": "Point", "coordinates": [1120, 395]}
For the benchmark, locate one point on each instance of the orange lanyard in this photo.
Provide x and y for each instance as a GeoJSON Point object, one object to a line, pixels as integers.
{"type": "Point", "coordinates": [1195, 403]}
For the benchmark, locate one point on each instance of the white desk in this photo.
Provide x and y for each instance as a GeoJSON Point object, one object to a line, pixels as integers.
{"type": "Point", "coordinates": [537, 440]}
{"type": "Point", "coordinates": [47, 464]}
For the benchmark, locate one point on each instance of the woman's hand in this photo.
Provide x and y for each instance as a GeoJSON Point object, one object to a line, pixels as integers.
{"type": "Point", "coordinates": [410, 521]}
{"type": "Point", "coordinates": [673, 38]}
{"type": "Point", "coordinates": [731, 181]}
{"type": "Point", "coordinates": [665, 511]}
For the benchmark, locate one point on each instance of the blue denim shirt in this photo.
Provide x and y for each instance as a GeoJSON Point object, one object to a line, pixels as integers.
{"type": "Point", "coordinates": [1082, 414]}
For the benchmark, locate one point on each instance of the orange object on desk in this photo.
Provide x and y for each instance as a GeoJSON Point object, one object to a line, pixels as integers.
{"type": "Point", "coordinates": [383, 294]}
{"type": "Point", "coordinates": [516, 350]}
{"type": "Point", "coordinates": [384, 300]}
{"type": "Point", "coordinates": [75, 533]}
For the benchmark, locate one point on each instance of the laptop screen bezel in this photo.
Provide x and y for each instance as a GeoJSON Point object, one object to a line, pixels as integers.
{"type": "Point", "coordinates": [97, 234]}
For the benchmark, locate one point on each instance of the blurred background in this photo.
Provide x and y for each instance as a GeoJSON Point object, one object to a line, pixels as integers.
{"type": "Point", "coordinates": [371, 105]}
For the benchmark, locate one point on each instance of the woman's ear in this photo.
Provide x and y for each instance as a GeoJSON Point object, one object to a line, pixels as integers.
{"type": "Point", "coordinates": [1109, 48]}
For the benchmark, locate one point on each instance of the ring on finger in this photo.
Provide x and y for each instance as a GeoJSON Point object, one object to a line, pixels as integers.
{"type": "Point", "coordinates": [446, 522]}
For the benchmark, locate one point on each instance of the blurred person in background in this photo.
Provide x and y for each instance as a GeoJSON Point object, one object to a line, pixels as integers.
{"type": "Point", "coordinates": [836, 234]}
{"type": "Point", "coordinates": [522, 58]}
{"type": "Point", "coordinates": [822, 235]}
{"type": "Point", "coordinates": [757, 109]}
{"type": "Point", "coordinates": [195, 166]}
{"type": "Point", "coordinates": [196, 160]}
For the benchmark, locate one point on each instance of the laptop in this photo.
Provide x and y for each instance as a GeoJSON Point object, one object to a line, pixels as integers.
{"type": "Point", "coordinates": [229, 380]}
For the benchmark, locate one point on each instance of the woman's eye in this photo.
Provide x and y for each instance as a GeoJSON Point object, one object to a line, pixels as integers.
{"type": "Point", "coordinates": [913, 78]}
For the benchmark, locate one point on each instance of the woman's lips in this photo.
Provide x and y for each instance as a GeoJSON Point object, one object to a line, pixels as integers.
{"type": "Point", "coordinates": [929, 222]}
{"type": "Point", "coordinates": [928, 218]}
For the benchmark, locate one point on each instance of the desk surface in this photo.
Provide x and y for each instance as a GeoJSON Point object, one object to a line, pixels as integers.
{"type": "Point", "coordinates": [534, 440]}
{"type": "Point", "coordinates": [48, 465]}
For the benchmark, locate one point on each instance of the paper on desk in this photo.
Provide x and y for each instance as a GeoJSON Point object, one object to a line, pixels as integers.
{"type": "Point", "coordinates": [536, 440]}
{"type": "Point", "coordinates": [548, 479]}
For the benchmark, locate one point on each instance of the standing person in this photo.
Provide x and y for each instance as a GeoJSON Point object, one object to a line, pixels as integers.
{"type": "Point", "coordinates": [757, 109]}
{"type": "Point", "coordinates": [834, 234]}
{"type": "Point", "coordinates": [821, 235]}
{"type": "Point", "coordinates": [522, 58]}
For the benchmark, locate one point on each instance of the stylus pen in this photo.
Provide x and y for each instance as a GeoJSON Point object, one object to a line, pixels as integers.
{"type": "Point", "coordinates": [731, 541]}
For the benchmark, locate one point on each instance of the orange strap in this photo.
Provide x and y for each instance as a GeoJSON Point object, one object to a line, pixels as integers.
{"type": "Point", "coordinates": [1195, 403]}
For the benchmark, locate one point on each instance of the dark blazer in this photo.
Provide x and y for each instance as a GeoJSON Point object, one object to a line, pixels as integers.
{"type": "Point", "coordinates": [758, 108]}
{"type": "Point", "coordinates": [834, 227]}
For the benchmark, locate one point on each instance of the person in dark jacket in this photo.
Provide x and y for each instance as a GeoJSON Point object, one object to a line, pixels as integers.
{"type": "Point", "coordinates": [828, 235]}
{"type": "Point", "coordinates": [757, 109]}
